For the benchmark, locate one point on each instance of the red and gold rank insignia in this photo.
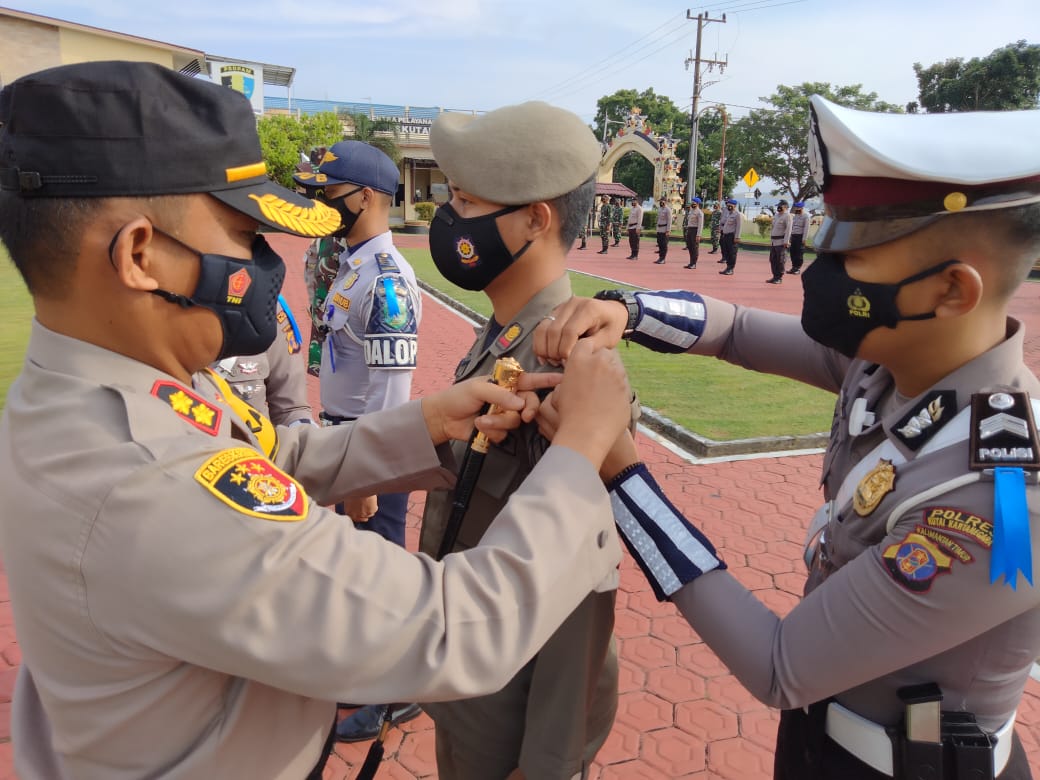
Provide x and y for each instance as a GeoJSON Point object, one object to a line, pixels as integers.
{"type": "Point", "coordinates": [245, 480]}
{"type": "Point", "coordinates": [202, 414]}
{"type": "Point", "coordinates": [875, 485]}
{"type": "Point", "coordinates": [509, 335]}
{"type": "Point", "coordinates": [915, 562]}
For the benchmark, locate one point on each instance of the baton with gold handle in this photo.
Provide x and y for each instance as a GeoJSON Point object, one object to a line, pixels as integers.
{"type": "Point", "coordinates": [506, 374]}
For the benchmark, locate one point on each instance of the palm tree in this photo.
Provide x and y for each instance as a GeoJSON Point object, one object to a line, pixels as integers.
{"type": "Point", "coordinates": [380, 133]}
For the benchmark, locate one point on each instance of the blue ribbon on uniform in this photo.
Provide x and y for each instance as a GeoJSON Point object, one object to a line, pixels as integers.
{"type": "Point", "coordinates": [393, 307]}
{"type": "Point", "coordinates": [292, 323]}
{"type": "Point", "coordinates": [1012, 550]}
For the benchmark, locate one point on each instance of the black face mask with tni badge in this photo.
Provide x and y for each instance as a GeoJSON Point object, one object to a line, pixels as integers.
{"type": "Point", "coordinates": [839, 311]}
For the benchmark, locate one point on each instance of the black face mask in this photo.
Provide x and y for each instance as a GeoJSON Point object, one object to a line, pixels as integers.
{"type": "Point", "coordinates": [242, 293]}
{"type": "Point", "coordinates": [347, 217]}
{"type": "Point", "coordinates": [839, 311]}
{"type": "Point", "coordinates": [470, 252]}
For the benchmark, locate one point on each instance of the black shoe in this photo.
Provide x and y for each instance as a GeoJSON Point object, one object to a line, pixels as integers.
{"type": "Point", "coordinates": [601, 252]}
{"type": "Point", "coordinates": [581, 247]}
{"type": "Point", "coordinates": [727, 272]}
{"type": "Point", "coordinates": [690, 265]}
{"type": "Point", "coordinates": [616, 243]}
{"type": "Point", "coordinates": [713, 251]}
{"type": "Point", "coordinates": [794, 272]}
{"type": "Point", "coordinates": [718, 261]}
{"type": "Point", "coordinates": [364, 724]}
{"type": "Point", "coordinates": [634, 257]}
{"type": "Point", "coordinates": [775, 280]}
{"type": "Point", "coordinates": [659, 262]}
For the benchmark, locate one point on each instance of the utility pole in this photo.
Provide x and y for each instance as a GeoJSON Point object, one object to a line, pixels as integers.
{"type": "Point", "coordinates": [691, 173]}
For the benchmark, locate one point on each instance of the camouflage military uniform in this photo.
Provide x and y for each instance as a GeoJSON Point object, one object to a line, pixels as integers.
{"type": "Point", "coordinates": [604, 225]}
{"type": "Point", "coordinates": [320, 264]}
{"type": "Point", "coordinates": [617, 214]}
{"type": "Point", "coordinates": [716, 228]}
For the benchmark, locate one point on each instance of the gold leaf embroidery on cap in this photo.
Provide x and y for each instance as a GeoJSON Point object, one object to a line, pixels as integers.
{"type": "Point", "coordinates": [318, 220]}
{"type": "Point", "coordinates": [955, 201]}
{"type": "Point", "coordinates": [246, 171]}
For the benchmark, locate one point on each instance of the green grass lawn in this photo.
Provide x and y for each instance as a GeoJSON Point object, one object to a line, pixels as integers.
{"type": "Point", "coordinates": [14, 325]}
{"type": "Point", "coordinates": [704, 395]}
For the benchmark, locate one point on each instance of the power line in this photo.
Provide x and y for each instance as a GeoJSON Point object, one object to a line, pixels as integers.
{"type": "Point", "coordinates": [677, 36]}
{"type": "Point", "coordinates": [624, 50]}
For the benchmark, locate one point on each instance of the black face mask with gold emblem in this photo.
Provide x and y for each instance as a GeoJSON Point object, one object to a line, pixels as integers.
{"type": "Point", "coordinates": [839, 311]}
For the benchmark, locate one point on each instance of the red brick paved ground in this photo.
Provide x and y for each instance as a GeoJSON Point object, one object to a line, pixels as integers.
{"type": "Point", "coordinates": [681, 714]}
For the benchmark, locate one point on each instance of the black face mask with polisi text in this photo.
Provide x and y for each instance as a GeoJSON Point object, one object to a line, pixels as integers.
{"type": "Point", "coordinates": [839, 311]}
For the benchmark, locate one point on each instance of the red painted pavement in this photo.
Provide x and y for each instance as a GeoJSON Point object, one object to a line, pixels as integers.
{"type": "Point", "coordinates": [681, 714]}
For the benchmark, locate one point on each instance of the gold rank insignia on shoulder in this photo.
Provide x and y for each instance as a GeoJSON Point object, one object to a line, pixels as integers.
{"type": "Point", "coordinates": [246, 481]}
{"type": "Point", "coordinates": [875, 485]}
{"type": "Point", "coordinates": [192, 408]}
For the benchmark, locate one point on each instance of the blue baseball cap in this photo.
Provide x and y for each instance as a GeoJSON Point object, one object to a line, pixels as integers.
{"type": "Point", "coordinates": [730, 201]}
{"type": "Point", "coordinates": [698, 201]}
{"type": "Point", "coordinates": [353, 162]}
{"type": "Point", "coordinates": [799, 205]}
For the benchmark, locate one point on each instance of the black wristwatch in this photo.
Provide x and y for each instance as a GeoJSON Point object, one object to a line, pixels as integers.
{"type": "Point", "coordinates": [626, 298]}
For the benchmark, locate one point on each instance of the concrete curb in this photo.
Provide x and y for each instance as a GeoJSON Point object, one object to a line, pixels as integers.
{"type": "Point", "coordinates": [698, 446]}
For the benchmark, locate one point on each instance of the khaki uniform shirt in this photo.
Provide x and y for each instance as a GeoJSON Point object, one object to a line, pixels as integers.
{"type": "Point", "coordinates": [186, 609]}
{"type": "Point", "coordinates": [800, 224]}
{"type": "Point", "coordinates": [559, 709]}
{"type": "Point", "coordinates": [274, 382]}
{"type": "Point", "coordinates": [870, 621]}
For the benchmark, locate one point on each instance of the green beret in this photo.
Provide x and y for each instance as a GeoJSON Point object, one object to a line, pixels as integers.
{"type": "Point", "coordinates": [516, 154]}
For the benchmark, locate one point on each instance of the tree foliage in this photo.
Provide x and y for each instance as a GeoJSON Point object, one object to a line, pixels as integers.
{"type": "Point", "coordinates": [380, 133]}
{"type": "Point", "coordinates": [774, 141]}
{"type": "Point", "coordinates": [284, 138]}
{"type": "Point", "coordinates": [1007, 79]}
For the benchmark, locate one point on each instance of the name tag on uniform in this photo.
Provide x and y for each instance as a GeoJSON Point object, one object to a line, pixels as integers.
{"type": "Point", "coordinates": [341, 302]}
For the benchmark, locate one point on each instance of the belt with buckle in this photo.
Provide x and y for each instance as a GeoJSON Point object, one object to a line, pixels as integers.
{"type": "Point", "coordinates": [871, 744]}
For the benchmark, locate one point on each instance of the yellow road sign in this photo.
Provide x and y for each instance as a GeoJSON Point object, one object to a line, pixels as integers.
{"type": "Point", "coordinates": [751, 177]}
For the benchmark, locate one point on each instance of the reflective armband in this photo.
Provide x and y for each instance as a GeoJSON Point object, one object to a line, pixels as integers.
{"type": "Point", "coordinates": [669, 550]}
{"type": "Point", "coordinates": [670, 321]}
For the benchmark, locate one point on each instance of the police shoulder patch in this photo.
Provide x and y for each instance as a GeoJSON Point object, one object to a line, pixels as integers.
{"type": "Point", "coordinates": [915, 561]}
{"type": "Point", "coordinates": [246, 481]}
{"type": "Point", "coordinates": [386, 264]}
{"type": "Point", "coordinates": [189, 406]}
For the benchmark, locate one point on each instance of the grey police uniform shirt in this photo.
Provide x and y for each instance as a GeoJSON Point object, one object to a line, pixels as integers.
{"type": "Point", "coordinates": [372, 310]}
{"type": "Point", "coordinates": [780, 233]}
{"type": "Point", "coordinates": [800, 224]}
{"type": "Point", "coordinates": [731, 221]}
{"type": "Point", "coordinates": [664, 219]}
{"type": "Point", "coordinates": [635, 218]}
{"type": "Point", "coordinates": [186, 609]}
{"type": "Point", "coordinates": [274, 382]}
{"type": "Point", "coordinates": [695, 220]}
{"type": "Point", "coordinates": [870, 621]}
{"type": "Point", "coordinates": [561, 706]}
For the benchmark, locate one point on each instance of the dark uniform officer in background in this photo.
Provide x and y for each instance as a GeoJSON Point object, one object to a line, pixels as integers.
{"type": "Point", "coordinates": [549, 721]}
{"type": "Point", "coordinates": [799, 233]}
{"type": "Point", "coordinates": [920, 594]}
{"type": "Point", "coordinates": [185, 606]}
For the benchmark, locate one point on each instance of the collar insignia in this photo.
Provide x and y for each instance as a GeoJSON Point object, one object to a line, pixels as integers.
{"type": "Point", "coordinates": [937, 408]}
{"type": "Point", "coordinates": [202, 414]}
{"type": "Point", "coordinates": [509, 335]}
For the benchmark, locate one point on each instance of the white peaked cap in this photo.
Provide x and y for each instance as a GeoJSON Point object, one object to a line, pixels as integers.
{"type": "Point", "coordinates": [884, 175]}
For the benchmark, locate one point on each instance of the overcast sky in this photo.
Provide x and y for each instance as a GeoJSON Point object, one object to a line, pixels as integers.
{"type": "Point", "coordinates": [481, 54]}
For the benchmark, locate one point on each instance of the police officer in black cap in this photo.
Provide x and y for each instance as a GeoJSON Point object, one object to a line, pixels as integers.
{"type": "Point", "coordinates": [185, 605]}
